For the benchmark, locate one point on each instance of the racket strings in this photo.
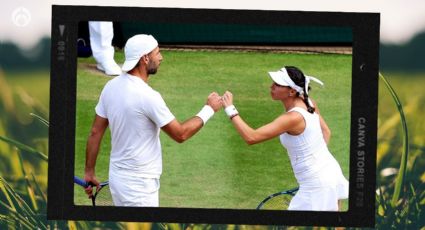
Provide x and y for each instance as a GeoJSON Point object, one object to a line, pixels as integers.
{"type": "Point", "coordinates": [278, 202]}
{"type": "Point", "coordinates": [103, 197]}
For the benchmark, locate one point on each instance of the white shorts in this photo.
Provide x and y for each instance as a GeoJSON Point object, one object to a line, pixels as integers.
{"type": "Point", "coordinates": [134, 191]}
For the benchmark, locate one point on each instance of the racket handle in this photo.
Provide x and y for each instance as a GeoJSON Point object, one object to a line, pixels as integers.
{"type": "Point", "coordinates": [81, 182]}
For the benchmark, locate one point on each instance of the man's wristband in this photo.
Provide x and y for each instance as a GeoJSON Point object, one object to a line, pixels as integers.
{"type": "Point", "coordinates": [231, 111]}
{"type": "Point", "coordinates": [206, 113]}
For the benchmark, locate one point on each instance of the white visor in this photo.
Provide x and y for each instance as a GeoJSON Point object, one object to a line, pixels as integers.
{"type": "Point", "coordinates": [282, 78]}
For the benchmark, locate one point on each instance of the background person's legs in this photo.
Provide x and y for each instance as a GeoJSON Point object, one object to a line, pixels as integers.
{"type": "Point", "coordinates": [101, 34]}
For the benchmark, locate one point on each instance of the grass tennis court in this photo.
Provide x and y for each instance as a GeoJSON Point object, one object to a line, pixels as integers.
{"type": "Point", "coordinates": [216, 169]}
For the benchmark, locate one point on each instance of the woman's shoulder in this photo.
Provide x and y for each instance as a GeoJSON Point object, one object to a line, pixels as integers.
{"type": "Point", "coordinates": [293, 115]}
{"type": "Point", "coordinates": [297, 109]}
{"type": "Point", "coordinates": [302, 112]}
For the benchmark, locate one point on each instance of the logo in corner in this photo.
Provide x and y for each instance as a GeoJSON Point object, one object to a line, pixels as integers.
{"type": "Point", "coordinates": [21, 17]}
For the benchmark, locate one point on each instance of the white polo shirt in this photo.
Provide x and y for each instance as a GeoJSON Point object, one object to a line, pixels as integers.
{"type": "Point", "coordinates": [135, 113]}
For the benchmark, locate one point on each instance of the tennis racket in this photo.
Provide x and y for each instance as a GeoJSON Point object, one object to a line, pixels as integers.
{"type": "Point", "coordinates": [101, 197]}
{"type": "Point", "coordinates": [278, 201]}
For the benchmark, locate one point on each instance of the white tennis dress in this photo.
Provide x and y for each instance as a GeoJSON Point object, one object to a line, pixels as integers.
{"type": "Point", "coordinates": [320, 179]}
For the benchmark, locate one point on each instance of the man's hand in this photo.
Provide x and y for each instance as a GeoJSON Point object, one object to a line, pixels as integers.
{"type": "Point", "coordinates": [91, 178]}
{"type": "Point", "coordinates": [214, 100]}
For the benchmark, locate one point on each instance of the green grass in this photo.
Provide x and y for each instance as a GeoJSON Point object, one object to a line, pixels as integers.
{"type": "Point", "coordinates": [216, 169]}
{"type": "Point", "coordinates": [25, 93]}
{"type": "Point", "coordinates": [401, 198]}
{"type": "Point", "coordinates": [36, 84]}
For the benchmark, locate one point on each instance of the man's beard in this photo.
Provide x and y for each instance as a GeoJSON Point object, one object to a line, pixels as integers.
{"type": "Point", "coordinates": [152, 69]}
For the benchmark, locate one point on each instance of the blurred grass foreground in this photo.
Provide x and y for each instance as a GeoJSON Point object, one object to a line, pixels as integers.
{"type": "Point", "coordinates": [400, 162]}
{"type": "Point", "coordinates": [23, 160]}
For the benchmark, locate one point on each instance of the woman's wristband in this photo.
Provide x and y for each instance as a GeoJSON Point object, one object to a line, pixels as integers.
{"type": "Point", "coordinates": [231, 111]}
{"type": "Point", "coordinates": [206, 113]}
{"type": "Point", "coordinates": [234, 116]}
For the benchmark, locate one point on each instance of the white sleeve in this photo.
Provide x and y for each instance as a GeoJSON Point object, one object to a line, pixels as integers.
{"type": "Point", "coordinates": [157, 110]}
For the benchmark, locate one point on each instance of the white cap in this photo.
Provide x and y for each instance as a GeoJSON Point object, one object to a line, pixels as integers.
{"type": "Point", "coordinates": [135, 48]}
{"type": "Point", "coordinates": [281, 77]}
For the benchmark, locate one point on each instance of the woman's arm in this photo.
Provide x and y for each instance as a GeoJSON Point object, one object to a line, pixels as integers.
{"type": "Point", "coordinates": [325, 128]}
{"type": "Point", "coordinates": [273, 129]}
{"type": "Point", "coordinates": [253, 136]}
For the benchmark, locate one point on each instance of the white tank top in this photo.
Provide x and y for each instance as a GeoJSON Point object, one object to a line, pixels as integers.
{"type": "Point", "coordinates": [307, 151]}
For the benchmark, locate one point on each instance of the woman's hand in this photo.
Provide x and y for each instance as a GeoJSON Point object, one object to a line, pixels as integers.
{"type": "Point", "coordinates": [227, 99]}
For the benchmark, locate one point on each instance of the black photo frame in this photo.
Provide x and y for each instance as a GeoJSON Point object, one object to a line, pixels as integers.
{"type": "Point", "coordinates": [363, 132]}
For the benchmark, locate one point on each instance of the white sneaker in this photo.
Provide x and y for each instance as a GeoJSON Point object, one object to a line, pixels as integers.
{"type": "Point", "coordinates": [109, 68]}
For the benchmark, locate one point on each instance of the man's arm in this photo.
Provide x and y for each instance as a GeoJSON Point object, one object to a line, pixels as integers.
{"type": "Point", "coordinates": [181, 132]}
{"type": "Point", "coordinates": [92, 149]}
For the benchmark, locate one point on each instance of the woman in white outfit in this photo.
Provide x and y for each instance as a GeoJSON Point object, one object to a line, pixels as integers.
{"type": "Point", "coordinates": [305, 135]}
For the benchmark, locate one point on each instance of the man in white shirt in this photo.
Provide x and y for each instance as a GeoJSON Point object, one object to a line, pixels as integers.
{"type": "Point", "coordinates": [135, 114]}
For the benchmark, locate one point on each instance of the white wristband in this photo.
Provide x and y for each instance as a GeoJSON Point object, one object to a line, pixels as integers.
{"type": "Point", "coordinates": [206, 113]}
{"type": "Point", "coordinates": [231, 111]}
